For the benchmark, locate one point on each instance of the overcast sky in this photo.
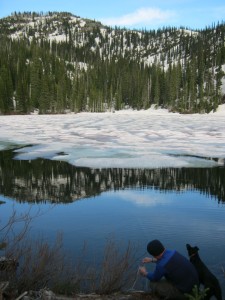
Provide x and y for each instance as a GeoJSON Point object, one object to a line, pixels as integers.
{"type": "Point", "coordinates": [138, 14]}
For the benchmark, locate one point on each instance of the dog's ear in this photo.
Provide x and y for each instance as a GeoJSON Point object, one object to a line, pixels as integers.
{"type": "Point", "coordinates": [188, 246]}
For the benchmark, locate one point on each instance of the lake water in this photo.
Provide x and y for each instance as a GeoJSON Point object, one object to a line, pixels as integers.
{"type": "Point", "coordinates": [175, 205]}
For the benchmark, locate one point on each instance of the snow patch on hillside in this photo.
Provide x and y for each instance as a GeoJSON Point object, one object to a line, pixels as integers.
{"type": "Point", "coordinates": [220, 111]}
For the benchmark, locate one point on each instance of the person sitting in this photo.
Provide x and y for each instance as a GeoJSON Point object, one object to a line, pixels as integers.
{"type": "Point", "coordinates": [178, 273]}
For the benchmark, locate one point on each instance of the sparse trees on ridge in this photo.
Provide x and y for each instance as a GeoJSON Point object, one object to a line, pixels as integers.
{"type": "Point", "coordinates": [83, 74]}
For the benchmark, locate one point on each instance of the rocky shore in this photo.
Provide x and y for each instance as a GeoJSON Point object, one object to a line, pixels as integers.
{"type": "Point", "coordinates": [49, 295]}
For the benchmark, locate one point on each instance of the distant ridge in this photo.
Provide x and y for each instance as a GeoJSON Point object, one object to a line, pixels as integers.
{"type": "Point", "coordinates": [83, 65]}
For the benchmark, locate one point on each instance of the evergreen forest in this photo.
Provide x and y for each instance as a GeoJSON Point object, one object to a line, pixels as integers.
{"type": "Point", "coordinates": [57, 63]}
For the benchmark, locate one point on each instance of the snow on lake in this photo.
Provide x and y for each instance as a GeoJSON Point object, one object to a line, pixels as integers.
{"type": "Point", "coordinates": [124, 139]}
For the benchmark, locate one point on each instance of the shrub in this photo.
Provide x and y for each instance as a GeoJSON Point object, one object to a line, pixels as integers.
{"type": "Point", "coordinates": [42, 265]}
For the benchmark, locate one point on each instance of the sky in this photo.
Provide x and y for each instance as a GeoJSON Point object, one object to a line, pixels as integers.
{"type": "Point", "coordinates": [131, 14]}
{"type": "Point", "coordinates": [124, 139]}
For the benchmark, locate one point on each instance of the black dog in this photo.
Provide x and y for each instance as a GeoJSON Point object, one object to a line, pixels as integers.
{"type": "Point", "coordinates": [205, 275]}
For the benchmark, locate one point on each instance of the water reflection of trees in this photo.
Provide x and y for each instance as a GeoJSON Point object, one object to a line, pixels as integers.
{"type": "Point", "coordinates": [46, 180]}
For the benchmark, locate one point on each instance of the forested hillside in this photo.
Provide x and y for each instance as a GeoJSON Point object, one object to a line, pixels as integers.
{"type": "Point", "coordinates": [58, 62]}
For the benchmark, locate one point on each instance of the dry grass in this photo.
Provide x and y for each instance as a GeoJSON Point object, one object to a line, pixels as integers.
{"type": "Point", "coordinates": [115, 272]}
{"type": "Point", "coordinates": [43, 265]}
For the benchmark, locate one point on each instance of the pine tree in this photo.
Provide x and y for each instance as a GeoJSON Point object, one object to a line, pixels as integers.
{"type": "Point", "coordinates": [2, 96]}
{"type": "Point", "coordinates": [6, 90]}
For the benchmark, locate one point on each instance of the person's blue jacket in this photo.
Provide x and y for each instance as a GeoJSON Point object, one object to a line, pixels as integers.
{"type": "Point", "coordinates": [177, 269]}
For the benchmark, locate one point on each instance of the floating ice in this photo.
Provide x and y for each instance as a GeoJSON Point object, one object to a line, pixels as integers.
{"type": "Point", "coordinates": [124, 139]}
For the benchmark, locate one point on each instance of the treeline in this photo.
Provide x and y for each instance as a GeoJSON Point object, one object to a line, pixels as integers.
{"type": "Point", "coordinates": [95, 70]}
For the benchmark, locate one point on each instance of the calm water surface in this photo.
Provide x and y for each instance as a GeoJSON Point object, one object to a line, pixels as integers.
{"type": "Point", "coordinates": [178, 206]}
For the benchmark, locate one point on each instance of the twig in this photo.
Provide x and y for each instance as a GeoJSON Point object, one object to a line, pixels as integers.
{"type": "Point", "coordinates": [223, 270]}
{"type": "Point", "coordinates": [3, 285]}
{"type": "Point", "coordinates": [21, 296]}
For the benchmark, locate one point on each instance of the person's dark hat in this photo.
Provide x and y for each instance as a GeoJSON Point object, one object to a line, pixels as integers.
{"type": "Point", "coordinates": [155, 248]}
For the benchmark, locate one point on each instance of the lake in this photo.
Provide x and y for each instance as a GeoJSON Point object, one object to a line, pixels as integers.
{"type": "Point", "coordinates": [175, 205]}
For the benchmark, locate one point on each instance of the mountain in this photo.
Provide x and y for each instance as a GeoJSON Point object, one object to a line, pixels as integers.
{"type": "Point", "coordinates": [59, 62]}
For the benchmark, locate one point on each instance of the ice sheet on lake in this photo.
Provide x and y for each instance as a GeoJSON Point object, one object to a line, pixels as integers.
{"type": "Point", "coordinates": [126, 139]}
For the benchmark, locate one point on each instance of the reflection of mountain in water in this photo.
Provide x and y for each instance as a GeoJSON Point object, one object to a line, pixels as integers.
{"type": "Point", "coordinates": [47, 180]}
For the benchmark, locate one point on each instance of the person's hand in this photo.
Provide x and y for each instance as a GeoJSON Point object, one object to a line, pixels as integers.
{"type": "Point", "coordinates": [146, 260]}
{"type": "Point", "coordinates": [143, 271]}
